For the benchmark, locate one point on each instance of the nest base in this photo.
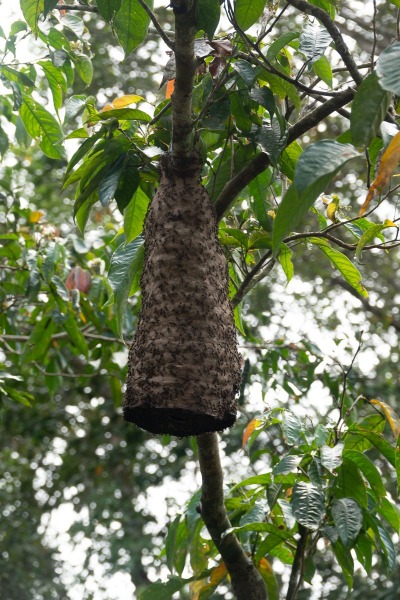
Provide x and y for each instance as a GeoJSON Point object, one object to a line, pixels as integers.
{"type": "Point", "coordinates": [176, 421]}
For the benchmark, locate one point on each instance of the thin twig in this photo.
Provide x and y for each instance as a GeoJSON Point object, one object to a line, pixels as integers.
{"type": "Point", "coordinates": [297, 572]}
{"type": "Point", "coordinates": [62, 374]}
{"type": "Point", "coordinates": [157, 25]}
{"type": "Point", "coordinates": [61, 336]}
{"type": "Point", "coordinates": [346, 374]}
{"type": "Point", "coordinates": [161, 113]}
{"type": "Point", "coordinates": [80, 7]}
{"type": "Point", "coordinates": [335, 34]}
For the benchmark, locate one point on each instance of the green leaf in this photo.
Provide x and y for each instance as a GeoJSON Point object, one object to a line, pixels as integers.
{"type": "Point", "coordinates": [326, 5]}
{"type": "Point", "coordinates": [32, 9]}
{"type": "Point", "coordinates": [16, 76]}
{"type": "Point", "coordinates": [323, 70]}
{"type": "Point", "coordinates": [83, 211]}
{"type": "Point", "coordinates": [380, 444]}
{"type": "Point", "coordinates": [56, 80]}
{"type": "Point", "coordinates": [319, 163]}
{"type": "Point", "coordinates": [74, 23]}
{"type": "Point", "coordinates": [82, 151]}
{"type": "Point", "coordinates": [246, 72]}
{"type": "Point", "coordinates": [288, 464]}
{"type": "Point", "coordinates": [108, 185]}
{"type": "Point", "coordinates": [258, 526]}
{"type": "Point", "coordinates": [39, 340]}
{"type": "Point", "coordinates": [162, 591]}
{"type": "Point", "coordinates": [391, 513]}
{"type": "Point", "coordinates": [350, 484]}
{"type": "Point", "coordinates": [387, 69]}
{"type": "Point", "coordinates": [308, 503]}
{"type": "Point", "coordinates": [126, 263]}
{"type": "Point", "coordinates": [19, 396]}
{"type": "Point", "coordinates": [131, 23]}
{"type": "Point", "coordinates": [368, 110]}
{"type": "Point", "coordinates": [49, 5]}
{"type": "Point", "coordinates": [389, 551]}
{"type": "Point", "coordinates": [314, 40]}
{"type": "Point", "coordinates": [280, 87]}
{"type": "Point", "coordinates": [42, 126]}
{"type": "Point", "coordinates": [122, 114]}
{"type": "Point", "coordinates": [397, 464]}
{"type": "Point", "coordinates": [83, 66]}
{"type": "Point", "coordinates": [370, 235]}
{"type": "Point", "coordinates": [264, 97]}
{"type": "Point", "coordinates": [350, 273]}
{"type": "Point", "coordinates": [395, 2]}
{"type": "Point", "coordinates": [331, 458]}
{"type": "Point", "coordinates": [368, 469]}
{"type": "Point", "coordinates": [289, 158]}
{"type": "Point", "coordinates": [71, 326]}
{"type": "Point", "coordinates": [207, 16]}
{"type": "Point", "coordinates": [315, 168]}
{"type": "Point", "coordinates": [292, 427]}
{"type": "Point", "coordinates": [347, 516]}
{"type": "Point", "coordinates": [364, 547]}
{"type": "Point", "coordinates": [280, 43]}
{"type": "Point", "coordinates": [345, 561]}
{"type": "Point", "coordinates": [176, 545]}
{"type": "Point", "coordinates": [285, 260]}
{"type": "Point", "coordinates": [272, 140]}
{"type": "Point", "coordinates": [134, 214]}
{"type": "Point", "coordinates": [108, 8]}
{"type": "Point", "coordinates": [269, 578]}
{"type": "Point", "coordinates": [263, 480]}
{"type": "Point", "coordinates": [247, 12]}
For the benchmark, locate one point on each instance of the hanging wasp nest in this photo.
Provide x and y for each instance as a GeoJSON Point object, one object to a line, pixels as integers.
{"type": "Point", "coordinates": [184, 368]}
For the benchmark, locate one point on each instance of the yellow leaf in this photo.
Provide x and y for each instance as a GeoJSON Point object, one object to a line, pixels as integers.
{"type": "Point", "coordinates": [388, 163]}
{"type": "Point", "coordinates": [264, 566]}
{"type": "Point", "coordinates": [170, 88]}
{"type": "Point", "coordinates": [332, 208]}
{"type": "Point", "coordinates": [252, 426]}
{"type": "Point", "coordinates": [391, 417]}
{"type": "Point", "coordinates": [107, 107]}
{"type": "Point", "coordinates": [218, 574]}
{"type": "Point", "coordinates": [196, 587]}
{"type": "Point", "coordinates": [123, 101]}
{"type": "Point", "coordinates": [35, 216]}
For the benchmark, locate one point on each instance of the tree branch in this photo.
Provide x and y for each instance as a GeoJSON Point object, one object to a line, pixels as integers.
{"type": "Point", "coordinates": [334, 32]}
{"type": "Point", "coordinates": [182, 122]}
{"type": "Point", "coordinates": [247, 582]}
{"type": "Point", "coordinates": [261, 161]}
{"type": "Point", "coordinates": [235, 185]}
{"type": "Point", "coordinates": [296, 575]}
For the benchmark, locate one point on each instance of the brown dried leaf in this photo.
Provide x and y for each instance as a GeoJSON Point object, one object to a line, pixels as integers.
{"type": "Point", "coordinates": [389, 161]}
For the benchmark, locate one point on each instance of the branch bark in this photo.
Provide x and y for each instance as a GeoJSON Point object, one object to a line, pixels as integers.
{"type": "Point", "coordinates": [246, 580]}
{"type": "Point", "coordinates": [182, 121]}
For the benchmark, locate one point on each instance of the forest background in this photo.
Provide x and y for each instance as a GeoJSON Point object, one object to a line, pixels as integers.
{"type": "Point", "coordinates": [316, 348]}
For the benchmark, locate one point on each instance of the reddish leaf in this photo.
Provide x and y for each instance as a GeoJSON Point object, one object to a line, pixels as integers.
{"type": "Point", "coordinates": [78, 279]}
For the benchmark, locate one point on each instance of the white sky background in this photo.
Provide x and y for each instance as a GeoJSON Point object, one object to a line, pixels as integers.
{"type": "Point", "coordinates": [295, 326]}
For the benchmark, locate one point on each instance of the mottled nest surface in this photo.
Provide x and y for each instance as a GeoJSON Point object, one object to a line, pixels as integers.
{"type": "Point", "coordinates": [184, 368]}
